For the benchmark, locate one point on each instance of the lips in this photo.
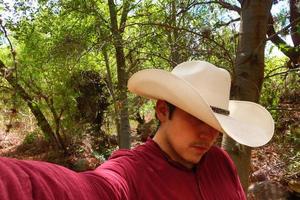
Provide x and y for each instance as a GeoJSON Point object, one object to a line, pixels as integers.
{"type": "Point", "coordinates": [200, 148]}
{"type": "Point", "coordinates": [203, 144]}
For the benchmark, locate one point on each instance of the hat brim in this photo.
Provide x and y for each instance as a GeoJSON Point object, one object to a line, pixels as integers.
{"type": "Point", "coordinates": [248, 123]}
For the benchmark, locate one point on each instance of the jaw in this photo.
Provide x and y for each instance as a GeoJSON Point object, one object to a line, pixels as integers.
{"type": "Point", "coordinates": [184, 154]}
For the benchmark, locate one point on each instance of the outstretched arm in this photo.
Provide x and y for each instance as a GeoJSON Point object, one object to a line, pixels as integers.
{"type": "Point", "coordinates": [22, 180]}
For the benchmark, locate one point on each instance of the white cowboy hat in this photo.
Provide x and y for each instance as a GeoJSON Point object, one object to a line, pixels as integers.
{"type": "Point", "coordinates": [202, 89]}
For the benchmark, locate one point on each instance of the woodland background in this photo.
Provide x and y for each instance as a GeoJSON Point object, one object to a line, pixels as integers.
{"type": "Point", "coordinates": [64, 66]}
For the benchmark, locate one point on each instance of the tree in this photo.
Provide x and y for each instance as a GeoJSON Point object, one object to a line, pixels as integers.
{"type": "Point", "coordinates": [117, 31]}
{"type": "Point", "coordinates": [11, 77]}
{"type": "Point", "coordinates": [252, 54]}
{"type": "Point", "coordinates": [292, 52]}
{"type": "Point", "coordinates": [47, 65]}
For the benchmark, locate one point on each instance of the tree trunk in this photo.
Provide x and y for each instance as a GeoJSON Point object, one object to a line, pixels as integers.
{"type": "Point", "coordinates": [176, 37]}
{"type": "Point", "coordinates": [248, 72]}
{"type": "Point", "coordinates": [57, 120]}
{"type": "Point", "coordinates": [173, 36]}
{"type": "Point", "coordinates": [110, 88]}
{"type": "Point", "coordinates": [124, 130]}
{"type": "Point", "coordinates": [39, 116]}
{"type": "Point", "coordinates": [294, 16]}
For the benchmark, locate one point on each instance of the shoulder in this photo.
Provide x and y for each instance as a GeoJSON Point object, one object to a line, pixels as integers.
{"type": "Point", "coordinates": [120, 159]}
{"type": "Point", "coordinates": [121, 171]}
{"type": "Point", "coordinates": [125, 162]}
{"type": "Point", "coordinates": [135, 156]}
{"type": "Point", "coordinates": [218, 161]}
{"type": "Point", "coordinates": [217, 170]}
{"type": "Point", "coordinates": [217, 151]}
{"type": "Point", "coordinates": [216, 154]}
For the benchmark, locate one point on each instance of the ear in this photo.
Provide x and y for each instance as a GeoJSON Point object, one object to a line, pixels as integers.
{"type": "Point", "coordinates": [162, 110]}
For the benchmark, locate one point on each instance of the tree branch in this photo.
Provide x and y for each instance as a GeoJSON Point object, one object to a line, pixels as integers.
{"type": "Point", "coordinates": [222, 3]}
{"type": "Point", "coordinates": [291, 52]}
{"type": "Point", "coordinates": [285, 109]}
{"type": "Point", "coordinates": [272, 30]}
{"type": "Point", "coordinates": [281, 73]}
{"type": "Point", "coordinates": [189, 6]}
{"type": "Point", "coordinates": [273, 70]}
{"type": "Point", "coordinates": [126, 9]}
{"type": "Point", "coordinates": [167, 26]}
{"type": "Point", "coordinates": [227, 5]}
{"type": "Point", "coordinates": [87, 10]}
{"type": "Point", "coordinates": [13, 52]}
{"type": "Point", "coordinates": [228, 23]}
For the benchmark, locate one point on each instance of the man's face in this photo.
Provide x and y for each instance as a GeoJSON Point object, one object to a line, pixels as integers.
{"type": "Point", "coordinates": [185, 138]}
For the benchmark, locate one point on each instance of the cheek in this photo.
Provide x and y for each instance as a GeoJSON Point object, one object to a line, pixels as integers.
{"type": "Point", "coordinates": [215, 134]}
{"type": "Point", "coordinates": [177, 137]}
{"type": "Point", "coordinates": [182, 134]}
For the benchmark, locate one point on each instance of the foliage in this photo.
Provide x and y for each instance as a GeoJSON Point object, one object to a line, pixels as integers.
{"type": "Point", "coordinates": [45, 65]}
{"type": "Point", "coordinates": [273, 85]}
{"type": "Point", "coordinates": [280, 90]}
{"type": "Point", "coordinates": [280, 95]}
{"type": "Point", "coordinates": [30, 138]}
{"type": "Point", "coordinates": [92, 99]}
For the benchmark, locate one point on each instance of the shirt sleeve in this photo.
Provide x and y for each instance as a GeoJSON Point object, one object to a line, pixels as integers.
{"type": "Point", "coordinates": [24, 180]}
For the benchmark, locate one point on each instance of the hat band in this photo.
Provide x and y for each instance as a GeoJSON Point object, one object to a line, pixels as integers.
{"type": "Point", "coordinates": [220, 110]}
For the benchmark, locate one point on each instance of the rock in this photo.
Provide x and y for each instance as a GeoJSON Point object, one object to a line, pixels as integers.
{"type": "Point", "coordinates": [267, 190]}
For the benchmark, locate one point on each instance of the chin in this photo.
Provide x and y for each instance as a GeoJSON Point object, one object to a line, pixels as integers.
{"type": "Point", "coordinates": [196, 161]}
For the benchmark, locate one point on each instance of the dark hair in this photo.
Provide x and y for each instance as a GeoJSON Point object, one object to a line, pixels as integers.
{"type": "Point", "coordinates": [171, 109]}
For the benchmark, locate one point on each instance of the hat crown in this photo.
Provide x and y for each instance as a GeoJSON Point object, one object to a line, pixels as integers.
{"type": "Point", "coordinates": [197, 87]}
{"type": "Point", "coordinates": [211, 82]}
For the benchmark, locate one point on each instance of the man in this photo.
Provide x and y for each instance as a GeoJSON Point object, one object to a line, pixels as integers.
{"type": "Point", "coordinates": [179, 163]}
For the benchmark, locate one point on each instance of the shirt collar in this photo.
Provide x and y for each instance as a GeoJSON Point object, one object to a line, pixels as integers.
{"type": "Point", "coordinates": [154, 146]}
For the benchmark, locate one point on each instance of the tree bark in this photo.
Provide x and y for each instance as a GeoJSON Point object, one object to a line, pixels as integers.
{"type": "Point", "coordinates": [176, 35]}
{"type": "Point", "coordinates": [248, 72]}
{"type": "Point", "coordinates": [173, 36]}
{"type": "Point", "coordinates": [57, 120]}
{"type": "Point", "coordinates": [124, 129]}
{"type": "Point", "coordinates": [110, 88]}
{"type": "Point", "coordinates": [294, 16]}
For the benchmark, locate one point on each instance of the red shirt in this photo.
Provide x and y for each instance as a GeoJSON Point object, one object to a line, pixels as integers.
{"type": "Point", "coordinates": [144, 173]}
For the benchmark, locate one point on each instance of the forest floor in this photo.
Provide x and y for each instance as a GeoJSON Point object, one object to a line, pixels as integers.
{"type": "Point", "coordinates": [18, 146]}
